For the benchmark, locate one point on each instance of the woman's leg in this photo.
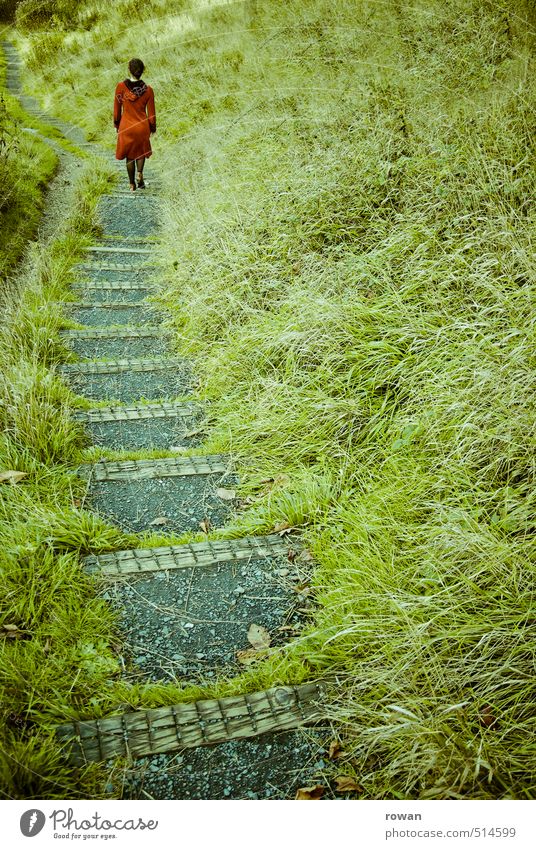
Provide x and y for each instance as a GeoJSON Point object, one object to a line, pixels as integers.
{"type": "Point", "coordinates": [131, 170]}
{"type": "Point", "coordinates": [140, 163]}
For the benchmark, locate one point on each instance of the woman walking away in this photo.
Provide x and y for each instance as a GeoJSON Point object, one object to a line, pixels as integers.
{"type": "Point", "coordinates": [135, 121]}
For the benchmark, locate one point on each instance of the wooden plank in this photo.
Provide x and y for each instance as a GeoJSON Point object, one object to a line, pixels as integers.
{"type": "Point", "coordinates": [108, 266]}
{"type": "Point", "coordinates": [166, 467]}
{"type": "Point", "coordinates": [119, 366]}
{"type": "Point", "coordinates": [203, 554]}
{"type": "Point", "coordinates": [115, 285]}
{"type": "Point", "coordinates": [87, 305]}
{"type": "Point", "coordinates": [163, 410]}
{"type": "Point", "coordinates": [188, 725]}
{"type": "Point", "coordinates": [114, 250]}
{"type": "Point", "coordinates": [131, 331]}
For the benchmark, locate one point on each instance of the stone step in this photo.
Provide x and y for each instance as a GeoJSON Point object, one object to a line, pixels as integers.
{"type": "Point", "coordinates": [148, 426]}
{"type": "Point", "coordinates": [192, 724]}
{"type": "Point", "coordinates": [129, 380]}
{"type": "Point", "coordinates": [118, 342]}
{"type": "Point", "coordinates": [172, 494]}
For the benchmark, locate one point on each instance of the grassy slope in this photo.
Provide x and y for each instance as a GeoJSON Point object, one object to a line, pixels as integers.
{"type": "Point", "coordinates": [348, 253]}
{"type": "Point", "coordinates": [26, 164]}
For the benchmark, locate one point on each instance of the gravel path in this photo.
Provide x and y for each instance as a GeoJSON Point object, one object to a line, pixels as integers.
{"type": "Point", "coordinates": [191, 623]}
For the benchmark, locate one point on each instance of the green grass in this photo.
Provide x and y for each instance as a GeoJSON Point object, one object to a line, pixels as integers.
{"type": "Point", "coordinates": [348, 258]}
{"type": "Point", "coordinates": [27, 164]}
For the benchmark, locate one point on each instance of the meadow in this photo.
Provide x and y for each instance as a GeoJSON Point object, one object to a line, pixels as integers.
{"type": "Point", "coordinates": [347, 257]}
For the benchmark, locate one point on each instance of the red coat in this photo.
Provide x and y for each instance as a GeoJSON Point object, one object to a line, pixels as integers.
{"type": "Point", "coordinates": [134, 119]}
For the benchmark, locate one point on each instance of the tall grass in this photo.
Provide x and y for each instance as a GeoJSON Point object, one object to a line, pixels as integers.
{"type": "Point", "coordinates": [348, 256]}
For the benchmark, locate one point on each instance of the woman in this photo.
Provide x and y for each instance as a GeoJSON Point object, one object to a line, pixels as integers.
{"type": "Point", "coordinates": [135, 121]}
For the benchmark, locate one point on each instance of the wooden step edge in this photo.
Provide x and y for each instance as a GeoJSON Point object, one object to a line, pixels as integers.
{"type": "Point", "coordinates": [121, 331]}
{"type": "Point", "coordinates": [113, 285]}
{"type": "Point", "coordinates": [122, 365]}
{"type": "Point", "coordinates": [191, 724]}
{"type": "Point", "coordinates": [138, 412]}
{"type": "Point", "coordinates": [164, 467]}
{"type": "Point", "coordinates": [137, 561]}
{"type": "Point", "coordinates": [117, 250]}
{"type": "Point", "coordinates": [90, 305]}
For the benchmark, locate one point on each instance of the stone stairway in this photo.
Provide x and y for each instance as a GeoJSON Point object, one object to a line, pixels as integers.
{"type": "Point", "coordinates": [185, 611]}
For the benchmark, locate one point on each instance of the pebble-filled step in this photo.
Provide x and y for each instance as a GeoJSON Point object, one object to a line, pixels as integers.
{"type": "Point", "coordinates": [272, 766]}
{"type": "Point", "coordinates": [150, 426]}
{"type": "Point", "coordinates": [105, 315]}
{"type": "Point", "coordinates": [107, 293]}
{"type": "Point", "coordinates": [128, 381]}
{"type": "Point", "coordinates": [118, 342]}
{"type": "Point", "coordinates": [128, 216]}
{"type": "Point", "coordinates": [170, 504]}
{"type": "Point", "coordinates": [191, 623]}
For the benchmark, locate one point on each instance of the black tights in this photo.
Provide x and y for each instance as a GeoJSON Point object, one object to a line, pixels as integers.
{"type": "Point", "coordinates": [131, 168]}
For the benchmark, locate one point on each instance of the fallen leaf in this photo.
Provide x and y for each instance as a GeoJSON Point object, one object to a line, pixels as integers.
{"type": "Point", "coordinates": [334, 751]}
{"type": "Point", "coordinates": [305, 555]}
{"type": "Point", "coordinates": [10, 627]}
{"type": "Point", "coordinates": [291, 555]}
{"type": "Point", "coordinates": [205, 526]}
{"type": "Point", "coordinates": [12, 476]}
{"type": "Point", "coordinates": [77, 502]}
{"type": "Point", "coordinates": [160, 520]}
{"type": "Point", "coordinates": [346, 784]}
{"type": "Point", "coordinates": [226, 494]}
{"type": "Point", "coordinates": [315, 792]}
{"type": "Point", "coordinates": [259, 637]}
{"type": "Point", "coordinates": [248, 656]}
{"type": "Point", "coordinates": [281, 527]}
{"type": "Point", "coordinates": [302, 589]}
{"type": "Point", "coordinates": [487, 717]}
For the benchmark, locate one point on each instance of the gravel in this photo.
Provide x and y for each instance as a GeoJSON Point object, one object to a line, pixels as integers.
{"type": "Point", "coordinates": [145, 433]}
{"type": "Point", "coordinates": [184, 501]}
{"type": "Point", "coordinates": [271, 766]}
{"type": "Point", "coordinates": [127, 387]}
{"type": "Point", "coordinates": [133, 215]}
{"type": "Point", "coordinates": [130, 347]}
{"type": "Point", "coordinates": [112, 296]}
{"type": "Point", "coordinates": [102, 316]}
{"type": "Point", "coordinates": [189, 623]}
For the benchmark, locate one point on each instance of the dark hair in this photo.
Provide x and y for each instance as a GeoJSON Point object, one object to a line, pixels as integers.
{"type": "Point", "coordinates": [136, 68]}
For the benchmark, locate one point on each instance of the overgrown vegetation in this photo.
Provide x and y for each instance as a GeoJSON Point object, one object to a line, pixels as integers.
{"type": "Point", "coordinates": [348, 257]}
{"type": "Point", "coordinates": [26, 165]}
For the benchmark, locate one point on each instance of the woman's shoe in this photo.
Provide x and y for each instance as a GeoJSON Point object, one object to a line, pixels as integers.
{"type": "Point", "coordinates": [141, 181]}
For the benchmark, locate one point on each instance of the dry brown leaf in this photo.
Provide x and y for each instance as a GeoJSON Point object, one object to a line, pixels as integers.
{"type": "Point", "coordinates": [315, 792]}
{"type": "Point", "coordinates": [487, 717]}
{"type": "Point", "coordinates": [305, 555]}
{"type": "Point", "coordinates": [226, 494]}
{"type": "Point", "coordinates": [259, 637]}
{"type": "Point", "coordinates": [205, 525]}
{"type": "Point", "coordinates": [12, 476]}
{"type": "Point", "coordinates": [346, 784]}
{"type": "Point", "coordinates": [248, 656]}
{"type": "Point", "coordinates": [334, 751]}
{"type": "Point", "coordinates": [291, 555]}
{"type": "Point", "coordinates": [160, 520]}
